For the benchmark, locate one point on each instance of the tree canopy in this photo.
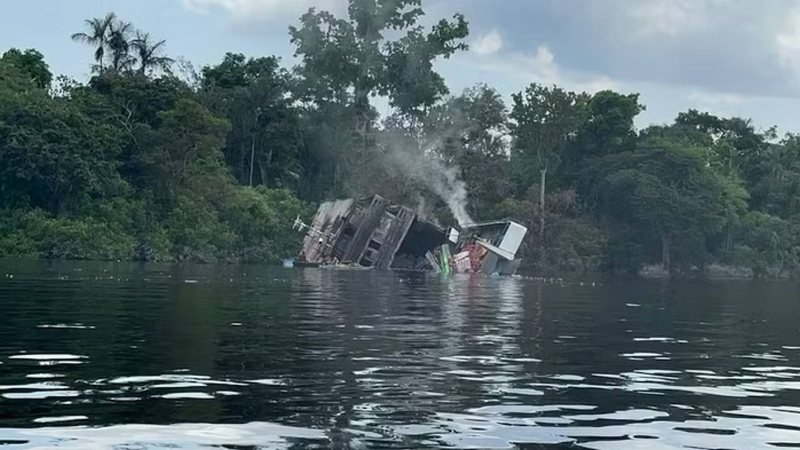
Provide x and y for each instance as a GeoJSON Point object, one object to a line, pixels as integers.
{"type": "Point", "coordinates": [140, 163]}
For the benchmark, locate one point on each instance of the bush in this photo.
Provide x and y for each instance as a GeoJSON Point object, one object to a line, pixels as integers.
{"type": "Point", "coordinates": [34, 233]}
{"type": "Point", "coordinates": [196, 231]}
{"type": "Point", "coordinates": [766, 244]}
{"type": "Point", "coordinates": [571, 242]}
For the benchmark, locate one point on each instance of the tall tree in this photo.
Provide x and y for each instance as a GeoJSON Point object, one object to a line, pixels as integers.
{"type": "Point", "coordinates": [52, 153]}
{"type": "Point", "coordinates": [776, 176]}
{"type": "Point", "coordinates": [545, 120]}
{"type": "Point", "coordinates": [665, 192]}
{"type": "Point", "coordinates": [352, 58]}
{"type": "Point", "coordinates": [31, 63]}
{"type": "Point", "coordinates": [609, 128]}
{"type": "Point", "coordinates": [737, 143]}
{"type": "Point", "coordinates": [265, 140]}
{"type": "Point", "coordinates": [348, 61]}
{"type": "Point", "coordinates": [471, 133]}
{"type": "Point", "coordinates": [148, 53]}
{"type": "Point", "coordinates": [187, 141]}
{"type": "Point", "coordinates": [119, 43]}
{"type": "Point", "coordinates": [97, 36]}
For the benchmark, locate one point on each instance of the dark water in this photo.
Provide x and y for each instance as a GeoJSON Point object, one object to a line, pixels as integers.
{"type": "Point", "coordinates": [158, 357]}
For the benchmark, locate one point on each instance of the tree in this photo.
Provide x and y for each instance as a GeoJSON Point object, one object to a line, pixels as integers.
{"type": "Point", "coordinates": [119, 44]}
{"type": "Point", "coordinates": [187, 140]}
{"type": "Point", "coordinates": [130, 166]}
{"type": "Point", "coordinates": [148, 53]}
{"type": "Point", "coordinates": [736, 142]}
{"type": "Point", "coordinates": [354, 55]}
{"type": "Point", "coordinates": [608, 129]}
{"type": "Point", "coordinates": [52, 152]}
{"type": "Point", "coordinates": [348, 61]}
{"type": "Point", "coordinates": [254, 95]}
{"type": "Point", "coordinates": [31, 63]}
{"type": "Point", "coordinates": [767, 244]}
{"type": "Point", "coordinates": [666, 191]}
{"type": "Point", "coordinates": [470, 132]}
{"type": "Point", "coordinates": [776, 177]}
{"type": "Point", "coordinates": [545, 121]}
{"type": "Point", "coordinates": [114, 40]}
{"type": "Point", "coordinates": [97, 36]}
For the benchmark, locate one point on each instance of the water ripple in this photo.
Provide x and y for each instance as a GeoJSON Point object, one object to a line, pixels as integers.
{"type": "Point", "coordinates": [256, 357]}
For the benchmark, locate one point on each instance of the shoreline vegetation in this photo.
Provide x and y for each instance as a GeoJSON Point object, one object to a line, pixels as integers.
{"type": "Point", "coordinates": [153, 160]}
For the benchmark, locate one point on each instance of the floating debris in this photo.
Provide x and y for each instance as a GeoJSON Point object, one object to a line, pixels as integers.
{"type": "Point", "coordinates": [375, 233]}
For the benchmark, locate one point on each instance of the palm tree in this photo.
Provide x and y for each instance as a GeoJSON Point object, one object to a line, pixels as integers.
{"type": "Point", "coordinates": [148, 53]}
{"type": "Point", "coordinates": [97, 35]}
{"type": "Point", "coordinates": [119, 44]}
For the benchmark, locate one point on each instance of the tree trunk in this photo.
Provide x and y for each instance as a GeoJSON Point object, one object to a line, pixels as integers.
{"type": "Point", "coordinates": [242, 153]}
{"type": "Point", "coordinates": [366, 132]}
{"type": "Point", "coordinates": [542, 186]}
{"type": "Point", "coordinates": [252, 158]}
{"type": "Point", "coordinates": [665, 253]}
{"type": "Point", "coordinates": [730, 160]}
{"type": "Point", "coordinates": [728, 238]}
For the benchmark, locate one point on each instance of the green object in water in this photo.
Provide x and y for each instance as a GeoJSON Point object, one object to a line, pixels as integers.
{"type": "Point", "coordinates": [444, 259]}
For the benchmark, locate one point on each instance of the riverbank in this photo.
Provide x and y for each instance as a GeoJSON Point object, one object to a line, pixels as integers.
{"type": "Point", "coordinates": [718, 272]}
{"type": "Point", "coordinates": [714, 272]}
{"type": "Point", "coordinates": [235, 224]}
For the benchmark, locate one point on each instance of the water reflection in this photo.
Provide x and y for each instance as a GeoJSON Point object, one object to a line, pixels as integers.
{"type": "Point", "coordinates": [104, 356]}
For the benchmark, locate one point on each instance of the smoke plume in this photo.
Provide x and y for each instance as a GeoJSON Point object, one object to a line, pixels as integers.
{"type": "Point", "coordinates": [420, 165]}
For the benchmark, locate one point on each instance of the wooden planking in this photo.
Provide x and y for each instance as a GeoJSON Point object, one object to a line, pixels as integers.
{"type": "Point", "coordinates": [328, 220]}
{"type": "Point", "coordinates": [394, 237]}
{"type": "Point", "coordinates": [371, 218]}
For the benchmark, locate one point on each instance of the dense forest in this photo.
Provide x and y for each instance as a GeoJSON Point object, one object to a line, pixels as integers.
{"type": "Point", "coordinates": [153, 160]}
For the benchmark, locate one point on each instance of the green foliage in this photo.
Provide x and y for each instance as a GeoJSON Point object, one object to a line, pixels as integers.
{"type": "Point", "coordinates": [253, 225]}
{"type": "Point", "coordinates": [29, 64]}
{"type": "Point", "coordinates": [766, 244]}
{"type": "Point", "coordinates": [379, 49]}
{"type": "Point", "coordinates": [261, 217]}
{"type": "Point", "coordinates": [667, 190]}
{"type": "Point", "coordinates": [120, 48]}
{"type": "Point", "coordinates": [52, 153]}
{"type": "Point", "coordinates": [545, 121]}
{"type": "Point", "coordinates": [776, 179]}
{"type": "Point", "coordinates": [265, 142]}
{"type": "Point", "coordinates": [139, 164]}
{"type": "Point", "coordinates": [188, 136]}
{"type": "Point", "coordinates": [128, 166]}
{"type": "Point", "coordinates": [572, 242]}
{"type": "Point", "coordinates": [148, 53]}
{"type": "Point", "coordinates": [196, 231]}
{"type": "Point", "coordinates": [609, 129]}
{"type": "Point", "coordinates": [472, 130]}
{"type": "Point", "coordinates": [351, 59]}
{"type": "Point", "coordinates": [136, 217]}
{"type": "Point", "coordinates": [34, 233]}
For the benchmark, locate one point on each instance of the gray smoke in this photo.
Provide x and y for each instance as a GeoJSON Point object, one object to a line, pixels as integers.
{"type": "Point", "coordinates": [420, 165]}
{"type": "Point", "coordinates": [424, 209]}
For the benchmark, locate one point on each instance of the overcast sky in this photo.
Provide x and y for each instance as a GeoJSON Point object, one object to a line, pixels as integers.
{"type": "Point", "coordinates": [730, 57]}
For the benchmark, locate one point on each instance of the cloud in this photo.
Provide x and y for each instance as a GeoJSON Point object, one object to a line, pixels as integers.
{"type": "Point", "coordinates": [670, 17]}
{"type": "Point", "coordinates": [262, 10]}
{"type": "Point", "coordinates": [721, 104]}
{"type": "Point", "coordinates": [787, 42]}
{"type": "Point", "coordinates": [488, 44]}
{"type": "Point", "coordinates": [709, 100]}
{"type": "Point", "coordinates": [541, 67]}
{"type": "Point", "coordinates": [745, 47]}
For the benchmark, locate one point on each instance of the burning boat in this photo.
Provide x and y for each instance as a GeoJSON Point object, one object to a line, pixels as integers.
{"type": "Point", "coordinates": [375, 233]}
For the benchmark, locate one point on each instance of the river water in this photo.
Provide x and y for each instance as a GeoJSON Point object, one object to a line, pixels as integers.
{"type": "Point", "coordinates": [100, 356]}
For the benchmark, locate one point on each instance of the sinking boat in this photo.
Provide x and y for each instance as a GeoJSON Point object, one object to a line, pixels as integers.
{"type": "Point", "coordinates": [375, 233]}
